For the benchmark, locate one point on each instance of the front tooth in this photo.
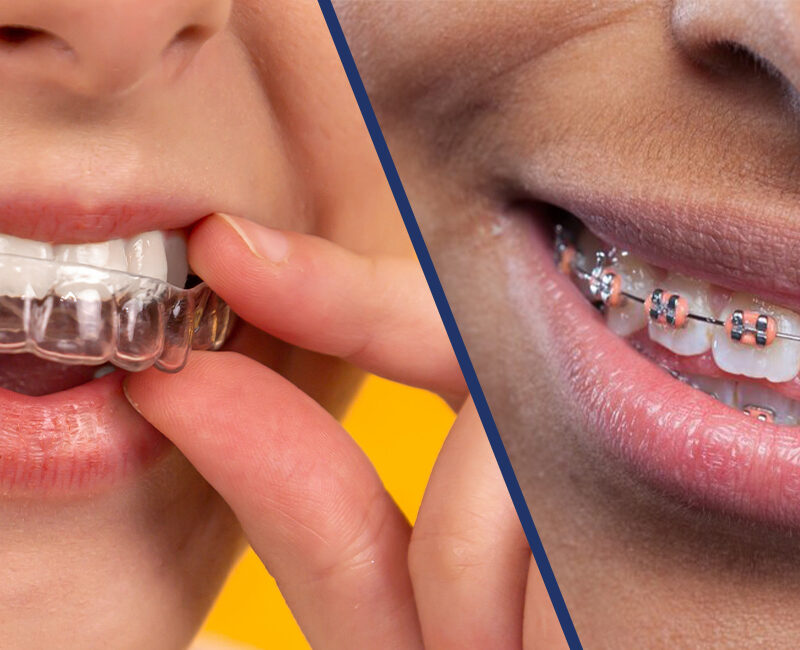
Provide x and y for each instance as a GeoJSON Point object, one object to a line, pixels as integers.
{"type": "Point", "coordinates": [107, 255]}
{"type": "Point", "coordinates": [147, 255]}
{"type": "Point", "coordinates": [777, 362]}
{"type": "Point", "coordinates": [589, 245]}
{"type": "Point", "coordinates": [638, 278]}
{"type": "Point", "coordinates": [25, 276]}
{"type": "Point", "coordinates": [695, 337]}
{"type": "Point", "coordinates": [25, 247]}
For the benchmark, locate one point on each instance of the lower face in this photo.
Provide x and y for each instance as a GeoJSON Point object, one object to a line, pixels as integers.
{"type": "Point", "coordinates": [108, 531]}
{"type": "Point", "coordinates": [654, 499]}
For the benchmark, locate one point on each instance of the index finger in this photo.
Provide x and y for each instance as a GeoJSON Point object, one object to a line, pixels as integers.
{"type": "Point", "coordinates": [377, 313]}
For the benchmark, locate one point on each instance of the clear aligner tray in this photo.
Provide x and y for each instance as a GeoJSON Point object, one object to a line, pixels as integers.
{"type": "Point", "coordinates": [85, 315]}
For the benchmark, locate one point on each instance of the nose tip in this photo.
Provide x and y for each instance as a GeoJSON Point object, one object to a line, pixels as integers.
{"type": "Point", "coordinates": [103, 47]}
{"type": "Point", "coordinates": [722, 33]}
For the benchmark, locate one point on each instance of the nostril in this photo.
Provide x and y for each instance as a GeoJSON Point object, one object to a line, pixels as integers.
{"type": "Point", "coordinates": [735, 56]}
{"type": "Point", "coordinates": [184, 44]}
{"type": "Point", "coordinates": [191, 33]}
{"type": "Point", "coordinates": [19, 35]}
{"type": "Point", "coordinates": [732, 57]}
{"type": "Point", "coordinates": [190, 36]}
{"type": "Point", "coordinates": [745, 41]}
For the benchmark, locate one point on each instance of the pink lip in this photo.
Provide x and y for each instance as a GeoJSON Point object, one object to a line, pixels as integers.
{"type": "Point", "coordinates": [79, 439]}
{"type": "Point", "coordinates": [668, 434]}
{"type": "Point", "coordinates": [73, 221]}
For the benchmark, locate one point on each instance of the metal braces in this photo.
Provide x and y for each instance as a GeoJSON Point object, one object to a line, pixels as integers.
{"type": "Point", "coordinates": [668, 309]}
{"type": "Point", "coordinates": [605, 286]}
{"type": "Point", "coordinates": [761, 413]}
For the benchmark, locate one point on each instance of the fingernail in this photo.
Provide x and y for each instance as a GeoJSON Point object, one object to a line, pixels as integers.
{"type": "Point", "coordinates": [129, 398]}
{"type": "Point", "coordinates": [265, 243]}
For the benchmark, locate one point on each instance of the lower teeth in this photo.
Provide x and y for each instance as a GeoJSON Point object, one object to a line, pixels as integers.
{"type": "Point", "coordinates": [102, 371]}
{"type": "Point", "coordinates": [749, 397]}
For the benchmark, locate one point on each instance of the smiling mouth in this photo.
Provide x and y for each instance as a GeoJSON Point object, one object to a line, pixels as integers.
{"type": "Point", "coordinates": [702, 425]}
{"type": "Point", "coordinates": [70, 313]}
{"type": "Point", "coordinates": [739, 349]}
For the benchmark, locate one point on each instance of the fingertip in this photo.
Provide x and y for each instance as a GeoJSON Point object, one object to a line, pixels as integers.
{"type": "Point", "coordinates": [262, 242]}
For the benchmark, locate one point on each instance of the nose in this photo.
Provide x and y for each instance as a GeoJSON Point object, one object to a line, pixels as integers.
{"type": "Point", "coordinates": [725, 33]}
{"type": "Point", "coordinates": [96, 47]}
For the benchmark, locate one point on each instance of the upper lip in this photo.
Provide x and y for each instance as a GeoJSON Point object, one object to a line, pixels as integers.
{"type": "Point", "coordinates": [81, 220]}
{"type": "Point", "coordinates": [745, 248]}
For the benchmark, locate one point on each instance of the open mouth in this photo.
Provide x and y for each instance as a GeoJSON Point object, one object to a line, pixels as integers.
{"type": "Point", "coordinates": [691, 385]}
{"type": "Point", "coordinates": [741, 350]}
{"type": "Point", "coordinates": [74, 319]}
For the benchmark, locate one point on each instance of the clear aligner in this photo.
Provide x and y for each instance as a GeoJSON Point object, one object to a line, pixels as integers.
{"type": "Point", "coordinates": [85, 315]}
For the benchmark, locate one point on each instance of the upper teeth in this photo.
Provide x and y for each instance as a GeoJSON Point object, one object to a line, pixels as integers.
{"type": "Point", "coordinates": [777, 362]}
{"type": "Point", "coordinates": [153, 254]}
{"type": "Point", "coordinates": [695, 337]}
{"type": "Point", "coordinates": [639, 279]}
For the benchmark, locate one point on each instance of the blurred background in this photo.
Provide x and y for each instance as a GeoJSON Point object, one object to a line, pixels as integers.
{"type": "Point", "coordinates": [401, 429]}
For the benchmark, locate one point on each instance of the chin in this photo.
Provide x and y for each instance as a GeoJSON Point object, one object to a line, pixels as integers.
{"type": "Point", "coordinates": [134, 566]}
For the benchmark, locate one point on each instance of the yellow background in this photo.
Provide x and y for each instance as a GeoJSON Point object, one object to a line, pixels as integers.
{"type": "Point", "coordinates": [401, 429]}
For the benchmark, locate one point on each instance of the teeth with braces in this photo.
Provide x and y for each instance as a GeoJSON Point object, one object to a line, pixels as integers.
{"type": "Point", "coordinates": [763, 413]}
{"type": "Point", "coordinates": [605, 284]}
{"type": "Point", "coordinates": [744, 397]}
{"type": "Point", "coordinates": [740, 328]}
{"type": "Point", "coordinates": [667, 311]}
{"type": "Point", "coordinates": [86, 315]}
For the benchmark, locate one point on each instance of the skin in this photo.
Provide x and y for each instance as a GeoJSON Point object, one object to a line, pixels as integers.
{"type": "Point", "coordinates": [252, 116]}
{"type": "Point", "coordinates": [249, 113]}
{"type": "Point", "coordinates": [492, 102]}
{"type": "Point", "coordinates": [313, 508]}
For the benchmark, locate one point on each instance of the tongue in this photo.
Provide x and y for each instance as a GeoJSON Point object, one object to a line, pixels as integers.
{"type": "Point", "coordinates": [30, 375]}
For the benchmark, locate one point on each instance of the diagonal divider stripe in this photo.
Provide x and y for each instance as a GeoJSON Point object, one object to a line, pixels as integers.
{"type": "Point", "coordinates": [450, 325]}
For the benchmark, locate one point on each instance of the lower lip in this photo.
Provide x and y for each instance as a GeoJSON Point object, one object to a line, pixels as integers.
{"type": "Point", "coordinates": [668, 434]}
{"type": "Point", "coordinates": [78, 440]}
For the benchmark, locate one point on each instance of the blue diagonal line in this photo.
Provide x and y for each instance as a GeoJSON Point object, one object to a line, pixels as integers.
{"type": "Point", "coordinates": [449, 322]}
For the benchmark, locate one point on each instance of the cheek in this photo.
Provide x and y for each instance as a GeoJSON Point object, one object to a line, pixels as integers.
{"type": "Point", "coordinates": [336, 184]}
